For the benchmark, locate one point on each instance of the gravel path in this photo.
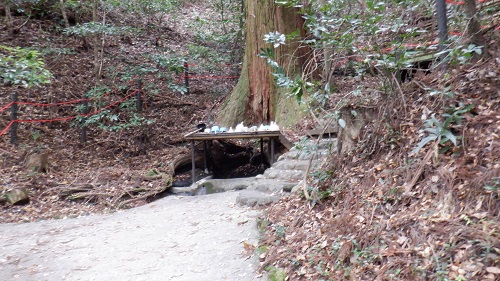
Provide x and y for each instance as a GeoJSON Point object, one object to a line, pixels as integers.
{"type": "Point", "coordinates": [175, 238]}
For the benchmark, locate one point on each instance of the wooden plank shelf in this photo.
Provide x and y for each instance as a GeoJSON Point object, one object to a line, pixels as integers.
{"type": "Point", "coordinates": [239, 135]}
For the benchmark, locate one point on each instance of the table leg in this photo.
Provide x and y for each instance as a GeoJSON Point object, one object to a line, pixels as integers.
{"type": "Point", "coordinates": [272, 151]}
{"type": "Point", "coordinates": [262, 150]}
{"type": "Point", "coordinates": [193, 165]}
{"type": "Point", "coordinates": [205, 156]}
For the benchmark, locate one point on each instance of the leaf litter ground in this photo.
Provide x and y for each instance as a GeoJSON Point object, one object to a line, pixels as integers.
{"type": "Point", "coordinates": [389, 215]}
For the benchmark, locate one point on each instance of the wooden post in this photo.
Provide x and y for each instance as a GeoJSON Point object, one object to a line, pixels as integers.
{"type": "Point", "coordinates": [442, 27]}
{"type": "Point", "coordinates": [138, 97]}
{"type": "Point", "coordinates": [13, 118]}
{"type": "Point", "coordinates": [186, 77]}
{"type": "Point", "coordinates": [83, 135]}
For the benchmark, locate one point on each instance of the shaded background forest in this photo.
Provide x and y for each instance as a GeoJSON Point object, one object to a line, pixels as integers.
{"type": "Point", "coordinates": [128, 153]}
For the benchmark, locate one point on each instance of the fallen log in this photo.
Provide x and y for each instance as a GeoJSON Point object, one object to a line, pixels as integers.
{"type": "Point", "coordinates": [69, 190]}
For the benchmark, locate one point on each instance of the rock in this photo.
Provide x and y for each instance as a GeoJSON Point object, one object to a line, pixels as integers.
{"type": "Point", "coordinates": [270, 185]}
{"type": "Point", "coordinates": [289, 187]}
{"type": "Point", "coordinates": [17, 196]}
{"type": "Point", "coordinates": [38, 162]}
{"type": "Point", "coordinates": [253, 198]}
{"type": "Point", "coordinates": [209, 186]}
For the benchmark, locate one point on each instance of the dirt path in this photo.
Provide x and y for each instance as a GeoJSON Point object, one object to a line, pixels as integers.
{"type": "Point", "coordinates": [175, 238]}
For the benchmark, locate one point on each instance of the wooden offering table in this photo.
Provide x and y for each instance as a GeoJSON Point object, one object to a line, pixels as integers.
{"type": "Point", "coordinates": [197, 136]}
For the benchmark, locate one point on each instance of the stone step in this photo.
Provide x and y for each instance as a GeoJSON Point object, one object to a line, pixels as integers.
{"type": "Point", "coordinates": [304, 154]}
{"type": "Point", "coordinates": [271, 186]}
{"type": "Point", "coordinates": [284, 175]}
{"type": "Point", "coordinates": [209, 185]}
{"type": "Point", "coordinates": [327, 144]}
{"type": "Point", "coordinates": [254, 198]}
{"type": "Point", "coordinates": [259, 183]}
{"type": "Point", "coordinates": [293, 164]}
{"type": "Point", "coordinates": [304, 150]}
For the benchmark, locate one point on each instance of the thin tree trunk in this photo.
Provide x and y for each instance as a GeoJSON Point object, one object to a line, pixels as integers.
{"type": "Point", "coordinates": [95, 18]}
{"type": "Point", "coordinates": [473, 27]}
{"type": "Point", "coordinates": [8, 18]}
{"type": "Point", "coordinates": [442, 28]}
{"type": "Point", "coordinates": [222, 16]}
{"type": "Point", "coordinates": [101, 48]}
{"type": "Point", "coordinates": [64, 15]}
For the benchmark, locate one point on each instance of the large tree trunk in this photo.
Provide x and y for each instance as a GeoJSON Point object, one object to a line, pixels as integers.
{"type": "Point", "coordinates": [256, 98]}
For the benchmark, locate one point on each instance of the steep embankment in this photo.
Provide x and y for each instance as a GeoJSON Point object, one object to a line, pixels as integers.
{"type": "Point", "coordinates": [388, 211]}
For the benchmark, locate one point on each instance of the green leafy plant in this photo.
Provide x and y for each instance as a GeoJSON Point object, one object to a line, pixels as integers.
{"type": "Point", "coordinates": [35, 135]}
{"type": "Point", "coordinates": [493, 184]}
{"type": "Point", "coordinates": [107, 119]}
{"type": "Point", "coordinates": [178, 88]}
{"type": "Point", "coordinates": [197, 52]}
{"type": "Point", "coordinates": [268, 54]}
{"type": "Point", "coordinates": [456, 114]}
{"type": "Point", "coordinates": [169, 63]}
{"type": "Point", "coordinates": [152, 173]}
{"type": "Point", "coordinates": [440, 131]}
{"type": "Point", "coordinates": [93, 28]}
{"type": "Point", "coordinates": [152, 12]}
{"type": "Point", "coordinates": [445, 92]}
{"type": "Point", "coordinates": [275, 38]}
{"type": "Point", "coordinates": [262, 225]}
{"type": "Point", "coordinates": [296, 85]}
{"type": "Point", "coordinates": [462, 54]}
{"type": "Point", "coordinates": [437, 131]}
{"type": "Point", "coordinates": [276, 274]}
{"type": "Point", "coordinates": [56, 51]}
{"type": "Point", "coordinates": [280, 231]}
{"type": "Point", "coordinates": [23, 67]}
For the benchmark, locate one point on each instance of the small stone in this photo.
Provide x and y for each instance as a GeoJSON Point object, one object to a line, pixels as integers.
{"type": "Point", "coordinates": [493, 270]}
{"type": "Point", "coordinates": [17, 196]}
{"type": "Point", "coordinates": [380, 167]}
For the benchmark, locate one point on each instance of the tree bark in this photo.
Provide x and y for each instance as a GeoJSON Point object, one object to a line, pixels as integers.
{"type": "Point", "coordinates": [256, 98]}
{"type": "Point", "coordinates": [473, 28]}
{"type": "Point", "coordinates": [442, 25]}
